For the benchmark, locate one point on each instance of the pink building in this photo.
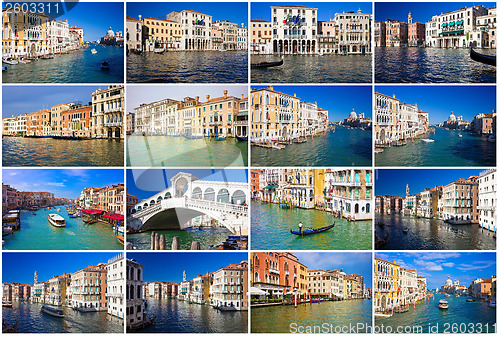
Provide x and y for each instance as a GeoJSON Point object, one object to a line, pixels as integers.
{"type": "Point", "coordinates": [416, 34]}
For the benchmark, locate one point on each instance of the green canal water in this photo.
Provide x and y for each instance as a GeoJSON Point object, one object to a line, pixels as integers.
{"type": "Point", "coordinates": [287, 319]}
{"type": "Point", "coordinates": [170, 151]}
{"type": "Point", "coordinates": [206, 237]}
{"type": "Point", "coordinates": [474, 316]}
{"type": "Point", "coordinates": [38, 234]}
{"type": "Point", "coordinates": [271, 225]}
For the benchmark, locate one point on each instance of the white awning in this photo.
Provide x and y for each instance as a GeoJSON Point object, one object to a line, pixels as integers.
{"type": "Point", "coordinates": [257, 291]}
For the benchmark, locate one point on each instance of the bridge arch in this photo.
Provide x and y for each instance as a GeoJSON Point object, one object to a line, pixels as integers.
{"type": "Point", "coordinates": [181, 185]}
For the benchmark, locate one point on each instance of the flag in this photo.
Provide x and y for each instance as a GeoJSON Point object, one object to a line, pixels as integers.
{"type": "Point", "coordinates": [196, 20]}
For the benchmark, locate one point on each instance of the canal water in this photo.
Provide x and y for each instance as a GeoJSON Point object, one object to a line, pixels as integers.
{"type": "Point", "coordinates": [271, 225]}
{"type": "Point", "coordinates": [170, 151]}
{"type": "Point", "coordinates": [76, 67]}
{"type": "Point", "coordinates": [188, 67]}
{"type": "Point", "coordinates": [18, 151]}
{"type": "Point", "coordinates": [448, 149]}
{"type": "Point", "coordinates": [431, 65]}
{"type": "Point", "coordinates": [427, 234]}
{"type": "Point", "coordinates": [314, 69]}
{"type": "Point", "coordinates": [38, 234]}
{"type": "Point", "coordinates": [173, 315]}
{"type": "Point", "coordinates": [459, 314]}
{"type": "Point", "coordinates": [279, 318]}
{"type": "Point", "coordinates": [342, 147]}
{"type": "Point", "coordinates": [32, 320]}
{"type": "Point", "coordinates": [206, 237]}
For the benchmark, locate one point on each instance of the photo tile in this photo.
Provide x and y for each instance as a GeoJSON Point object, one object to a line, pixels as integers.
{"type": "Point", "coordinates": [422, 126]}
{"type": "Point", "coordinates": [435, 209]}
{"type": "Point", "coordinates": [75, 293]}
{"type": "Point", "coordinates": [439, 42]}
{"type": "Point", "coordinates": [310, 292]}
{"type": "Point", "coordinates": [187, 126]}
{"type": "Point", "coordinates": [62, 209]}
{"type": "Point", "coordinates": [311, 209]}
{"type": "Point", "coordinates": [187, 292]}
{"type": "Point", "coordinates": [187, 209]}
{"type": "Point", "coordinates": [63, 126]}
{"type": "Point", "coordinates": [311, 125]}
{"type": "Point", "coordinates": [434, 292]}
{"type": "Point", "coordinates": [187, 42]}
{"type": "Point", "coordinates": [311, 42]}
{"type": "Point", "coordinates": [63, 42]}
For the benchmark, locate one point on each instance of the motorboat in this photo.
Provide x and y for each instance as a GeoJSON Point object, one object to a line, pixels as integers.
{"type": "Point", "coordinates": [443, 304]}
{"type": "Point", "coordinates": [93, 51]}
{"type": "Point", "coordinates": [9, 60]}
{"type": "Point", "coordinates": [382, 314]}
{"type": "Point", "coordinates": [427, 140]}
{"type": "Point", "coordinates": [460, 135]}
{"type": "Point", "coordinates": [57, 220]}
{"type": "Point", "coordinates": [491, 139]}
{"type": "Point", "coordinates": [493, 304]}
{"type": "Point", "coordinates": [105, 65]}
{"type": "Point", "coordinates": [59, 209]}
{"type": "Point", "coordinates": [53, 311]}
{"type": "Point", "coordinates": [7, 304]}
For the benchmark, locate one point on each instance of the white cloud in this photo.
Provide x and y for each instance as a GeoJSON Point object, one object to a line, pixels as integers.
{"type": "Point", "coordinates": [448, 264]}
{"type": "Point", "coordinates": [476, 266]}
{"type": "Point", "coordinates": [56, 184]}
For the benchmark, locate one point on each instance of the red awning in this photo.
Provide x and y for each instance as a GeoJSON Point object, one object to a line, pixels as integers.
{"type": "Point", "coordinates": [113, 216]}
{"type": "Point", "coordinates": [90, 211]}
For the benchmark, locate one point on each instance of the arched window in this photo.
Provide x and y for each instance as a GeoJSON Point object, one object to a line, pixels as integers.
{"type": "Point", "coordinates": [197, 193]}
{"type": "Point", "coordinates": [238, 198]}
{"type": "Point", "coordinates": [223, 196]}
{"type": "Point", "coordinates": [209, 194]}
{"type": "Point", "coordinates": [168, 195]}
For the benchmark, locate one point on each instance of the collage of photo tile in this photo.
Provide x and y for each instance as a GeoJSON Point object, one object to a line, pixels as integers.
{"type": "Point", "coordinates": [248, 167]}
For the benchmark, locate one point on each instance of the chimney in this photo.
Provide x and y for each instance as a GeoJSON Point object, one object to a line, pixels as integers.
{"type": "Point", "coordinates": [140, 17]}
{"type": "Point", "coordinates": [270, 87]}
{"type": "Point", "coordinates": [225, 93]}
{"type": "Point", "coordinates": [393, 96]}
{"type": "Point", "coordinates": [294, 95]}
{"type": "Point", "coordinates": [208, 98]}
{"type": "Point", "coordinates": [197, 98]}
{"type": "Point", "coordinates": [242, 96]}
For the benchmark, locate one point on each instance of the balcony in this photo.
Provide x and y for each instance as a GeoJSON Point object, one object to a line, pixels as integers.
{"type": "Point", "coordinates": [274, 271]}
{"type": "Point", "coordinates": [214, 123]}
{"type": "Point", "coordinates": [119, 124]}
{"type": "Point", "coordinates": [111, 110]}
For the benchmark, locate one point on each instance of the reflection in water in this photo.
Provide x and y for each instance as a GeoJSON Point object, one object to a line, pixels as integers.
{"type": "Point", "coordinates": [77, 67]}
{"type": "Point", "coordinates": [344, 147]}
{"type": "Point", "coordinates": [431, 234]}
{"type": "Point", "coordinates": [314, 69]}
{"type": "Point", "coordinates": [279, 319]}
{"type": "Point", "coordinates": [271, 225]}
{"type": "Point", "coordinates": [431, 65]}
{"type": "Point", "coordinates": [178, 151]}
{"type": "Point", "coordinates": [173, 315]}
{"type": "Point", "coordinates": [32, 320]}
{"type": "Point", "coordinates": [459, 313]}
{"type": "Point", "coordinates": [188, 67]}
{"type": "Point", "coordinates": [19, 151]}
{"type": "Point", "coordinates": [448, 149]}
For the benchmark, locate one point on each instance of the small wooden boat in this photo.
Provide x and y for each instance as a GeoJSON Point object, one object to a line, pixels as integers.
{"type": "Point", "coordinates": [378, 150]}
{"type": "Point", "coordinates": [310, 231]}
{"type": "Point", "coordinates": [4, 68]}
{"type": "Point", "coordinates": [93, 51]}
{"type": "Point", "coordinates": [317, 301]}
{"type": "Point", "coordinates": [220, 138]}
{"type": "Point", "coordinates": [263, 65]}
{"type": "Point", "coordinates": [469, 300]}
{"type": "Point", "coordinates": [105, 65]}
{"type": "Point", "coordinates": [405, 230]}
{"type": "Point", "coordinates": [486, 59]}
{"type": "Point", "coordinates": [137, 52]}
{"type": "Point", "coordinates": [382, 314]}
{"type": "Point", "coordinates": [53, 311]}
{"type": "Point", "coordinates": [443, 304]}
{"type": "Point", "coordinates": [7, 304]}
{"type": "Point", "coordinates": [242, 138]}
{"type": "Point", "coordinates": [493, 304]}
{"type": "Point", "coordinates": [56, 220]}
{"type": "Point", "coordinates": [47, 57]}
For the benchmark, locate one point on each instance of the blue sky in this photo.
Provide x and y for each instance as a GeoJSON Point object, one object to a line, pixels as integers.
{"type": "Point", "coordinates": [94, 17]}
{"type": "Point", "coordinates": [326, 10]}
{"type": "Point", "coordinates": [138, 94]}
{"type": "Point", "coordinates": [145, 183]}
{"type": "Point", "coordinates": [420, 11]}
{"type": "Point", "coordinates": [437, 266]}
{"type": "Point", "coordinates": [169, 266]}
{"type": "Point", "coordinates": [14, 102]}
{"type": "Point", "coordinates": [236, 12]}
{"type": "Point", "coordinates": [393, 182]}
{"type": "Point", "coordinates": [47, 264]}
{"type": "Point", "coordinates": [338, 100]}
{"type": "Point", "coordinates": [353, 263]}
{"type": "Point", "coordinates": [440, 101]}
{"type": "Point", "coordinates": [64, 183]}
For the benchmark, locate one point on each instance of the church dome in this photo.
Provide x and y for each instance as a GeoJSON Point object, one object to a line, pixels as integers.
{"type": "Point", "coordinates": [110, 33]}
{"type": "Point", "coordinates": [449, 282]}
{"type": "Point", "coordinates": [353, 115]}
{"type": "Point", "coordinates": [452, 117]}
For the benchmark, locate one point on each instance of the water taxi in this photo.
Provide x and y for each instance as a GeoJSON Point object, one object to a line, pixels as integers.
{"type": "Point", "coordinates": [56, 220]}
{"type": "Point", "coordinates": [7, 304]}
{"type": "Point", "coordinates": [443, 304]}
{"type": "Point", "coordinates": [427, 140]}
{"type": "Point", "coordinates": [53, 311]}
{"type": "Point", "coordinates": [382, 314]}
{"type": "Point", "coordinates": [93, 51]}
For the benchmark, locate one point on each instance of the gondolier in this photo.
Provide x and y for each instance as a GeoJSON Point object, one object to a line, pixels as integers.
{"type": "Point", "coordinates": [300, 227]}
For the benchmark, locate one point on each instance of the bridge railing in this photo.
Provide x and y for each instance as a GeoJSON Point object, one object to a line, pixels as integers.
{"type": "Point", "coordinates": [219, 206]}
{"type": "Point", "coordinates": [146, 211]}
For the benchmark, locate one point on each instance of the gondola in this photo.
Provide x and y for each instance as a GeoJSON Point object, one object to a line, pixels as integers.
{"type": "Point", "coordinates": [263, 65]}
{"type": "Point", "coordinates": [242, 138]}
{"type": "Point", "coordinates": [312, 231]}
{"type": "Point", "coordinates": [486, 59]}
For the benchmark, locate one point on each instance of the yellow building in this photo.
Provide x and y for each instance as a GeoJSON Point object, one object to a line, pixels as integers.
{"type": "Point", "coordinates": [387, 124]}
{"type": "Point", "coordinates": [260, 35]}
{"type": "Point", "coordinates": [219, 115]}
{"type": "Point", "coordinates": [387, 286]}
{"type": "Point", "coordinates": [24, 33]}
{"type": "Point", "coordinates": [302, 279]}
{"type": "Point", "coordinates": [319, 186]}
{"type": "Point", "coordinates": [161, 34]}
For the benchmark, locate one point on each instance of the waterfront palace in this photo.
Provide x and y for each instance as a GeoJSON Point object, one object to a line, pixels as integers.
{"type": "Point", "coordinates": [226, 287]}
{"type": "Point", "coordinates": [455, 29]}
{"type": "Point", "coordinates": [346, 192]}
{"type": "Point", "coordinates": [279, 116]}
{"type": "Point", "coordinates": [295, 29]}
{"type": "Point", "coordinates": [276, 274]}
{"type": "Point", "coordinates": [93, 288]}
{"type": "Point", "coordinates": [224, 116]}
{"type": "Point", "coordinates": [13, 199]}
{"type": "Point", "coordinates": [32, 34]}
{"type": "Point", "coordinates": [101, 118]}
{"type": "Point", "coordinates": [395, 286]}
{"type": "Point", "coordinates": [464, 201]}
{"type": "Point", "coordinates": [184, 30]}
